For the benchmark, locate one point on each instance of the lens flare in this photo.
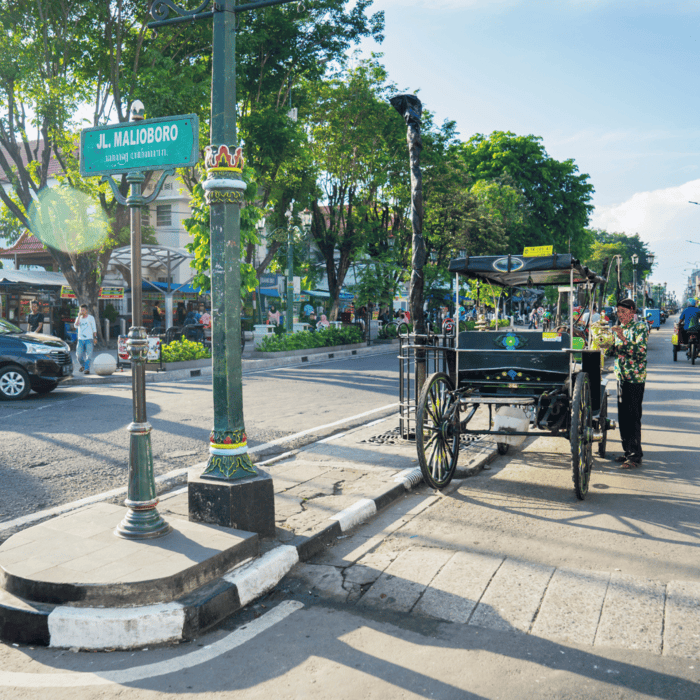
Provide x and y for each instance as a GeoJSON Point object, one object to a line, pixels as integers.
{"type": "Point", "coordinates": [68, 220]}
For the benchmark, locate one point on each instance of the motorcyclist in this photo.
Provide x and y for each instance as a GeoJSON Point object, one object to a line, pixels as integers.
{"type": "Point", "coordinates": [688, 319]}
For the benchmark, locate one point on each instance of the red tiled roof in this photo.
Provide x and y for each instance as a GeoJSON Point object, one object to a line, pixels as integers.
{"type": "Point", "coordinates": [28, 244]}
{"type": "Point", "coordinates": [54, 165]}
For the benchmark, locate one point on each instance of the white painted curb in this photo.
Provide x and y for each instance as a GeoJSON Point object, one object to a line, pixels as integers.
{"type": "Point", "coordinates": [355, 514]}
{"type": "Point", "coordinates": [118, 628]}
{"type": "Point", "coordinates": [262, 575]}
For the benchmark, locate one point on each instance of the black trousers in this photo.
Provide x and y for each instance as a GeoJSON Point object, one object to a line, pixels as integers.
{"type": "Point", "coordinates": [629, 416]}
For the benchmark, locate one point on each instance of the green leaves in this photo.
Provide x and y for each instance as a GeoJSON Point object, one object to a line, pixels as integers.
{"type": "Point", "coordinates": [329, 337]}
{"type": "Point", "coordinates": [557, 196]}
{"type": "Point", "coordinates": [183, 351]}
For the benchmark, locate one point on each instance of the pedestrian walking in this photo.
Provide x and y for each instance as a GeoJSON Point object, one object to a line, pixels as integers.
{"type": "Point", "coordinates": [157, 326]}
{"type": "Point", "coordinates": [181, 313]}
{"type": "Point", "coordinates": [534, 317]}
{"type": "Point", "coordinates": [36, 319]}
{"type": "Point", "coordinates": [87, 335]}
{"type": "Point", "coordinates": [630, 350]}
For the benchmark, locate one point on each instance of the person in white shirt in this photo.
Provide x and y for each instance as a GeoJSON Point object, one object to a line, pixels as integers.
{"type": "Point", "coordinates": [87, 335]}
{"type": "Point", "coordinates": [594, 318]}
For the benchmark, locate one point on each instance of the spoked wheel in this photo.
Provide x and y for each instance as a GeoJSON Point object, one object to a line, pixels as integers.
{"type": "Point", "coordinates": [603, 425]}
{"type": "Point", "coordinates": [581, 433]}
{"type": "Point", "coordinates": [437, 431]}
{"type": "Point", "coordinates": [675, 353]}
{"type": "Point", "coordinates": [693, 353]}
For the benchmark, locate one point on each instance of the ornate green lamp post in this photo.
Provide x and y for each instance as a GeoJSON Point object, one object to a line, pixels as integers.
{"type": "Point", "coordinates": [142, 520]}
{"type": "Point", "coordinates": [229, 462]}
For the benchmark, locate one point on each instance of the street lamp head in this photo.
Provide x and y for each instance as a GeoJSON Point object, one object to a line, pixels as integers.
{"type": "Point", "coordinates": [137, 111]}
{"type": "Point", "coordinates": [651, 257]}
{"type": "Point", "coordinates": [306, 218]}
{"type": "Point", "coordinates": [635, 258]}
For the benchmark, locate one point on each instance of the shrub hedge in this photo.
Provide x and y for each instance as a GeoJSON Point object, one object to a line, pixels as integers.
{"type": "Point", "coordinates": [347, 335]}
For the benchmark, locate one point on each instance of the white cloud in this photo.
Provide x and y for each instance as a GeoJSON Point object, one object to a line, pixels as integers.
{"type": "Point", "coordinates": [656, 216]}
{"type": "Point", "coordinates": [666, 221]}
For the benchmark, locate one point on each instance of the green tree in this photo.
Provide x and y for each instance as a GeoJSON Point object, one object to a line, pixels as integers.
{"type": "Point", "coordinates": [354, 142]}
{"type": "Point", "coordinates": [57, 56]}
{"type": "Point", "coordinates": [606, 245]}
{"type": "Point", "coordinates": [557, 196]}
{"type": "Point", "coordinates": [280, 51]}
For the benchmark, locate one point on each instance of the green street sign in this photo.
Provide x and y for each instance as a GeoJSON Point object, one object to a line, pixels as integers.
{"type": "Point", "coordinates": [150, 144]}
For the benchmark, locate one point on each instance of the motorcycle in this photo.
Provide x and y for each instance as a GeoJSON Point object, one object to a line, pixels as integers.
{"type": "Point", "coordinates": [691, 344]}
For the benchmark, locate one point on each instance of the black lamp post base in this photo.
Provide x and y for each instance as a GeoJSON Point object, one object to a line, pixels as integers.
{"type": "Point", "coordinates": [244, 504]}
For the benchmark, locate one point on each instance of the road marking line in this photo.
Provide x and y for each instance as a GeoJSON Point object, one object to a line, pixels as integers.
{"type": "Point", "coordinates": [162, 668]}
{"type": "Point", "coordinates": [287, 438]}
{"type": "Point", "coordinates": [48, 405]}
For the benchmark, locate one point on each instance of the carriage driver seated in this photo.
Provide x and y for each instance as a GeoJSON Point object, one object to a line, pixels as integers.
{"type": "Point", "coordinates": [688, 319]}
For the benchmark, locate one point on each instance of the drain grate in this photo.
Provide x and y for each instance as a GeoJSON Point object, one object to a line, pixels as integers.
{"type": "Point", "coordinates": [393, 437]}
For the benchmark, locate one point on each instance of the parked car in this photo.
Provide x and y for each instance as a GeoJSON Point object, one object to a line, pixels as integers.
{"type": "Point", "coordinates": [31, 361]}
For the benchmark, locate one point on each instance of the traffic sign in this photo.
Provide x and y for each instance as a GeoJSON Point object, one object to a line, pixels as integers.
{"type": "Point", "coordinates": [150, 144]}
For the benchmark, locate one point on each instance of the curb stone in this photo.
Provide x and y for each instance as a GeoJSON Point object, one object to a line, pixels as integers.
{"type": "Point", "coordinates": [131, 628]}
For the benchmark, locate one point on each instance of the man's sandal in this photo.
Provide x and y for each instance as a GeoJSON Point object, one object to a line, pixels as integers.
{"type": "Point", "coordinates": [620, 458]}
{"type": "Point", "coordinates": [629, 464]}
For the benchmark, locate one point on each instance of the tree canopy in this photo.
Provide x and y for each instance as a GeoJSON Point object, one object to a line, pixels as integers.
{"type": "Point", "coordinates": [557, 197]}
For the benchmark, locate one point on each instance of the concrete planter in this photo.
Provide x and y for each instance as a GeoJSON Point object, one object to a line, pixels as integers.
{"type": "Point", "coordinates": [188, 364]}
{"type": "Point", "coordinates": [257, 354]}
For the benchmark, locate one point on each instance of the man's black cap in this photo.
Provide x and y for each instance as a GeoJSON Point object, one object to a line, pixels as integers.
{"type": "Point", "coordinates": [627, 304]}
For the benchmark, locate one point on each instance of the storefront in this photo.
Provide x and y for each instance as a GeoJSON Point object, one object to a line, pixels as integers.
{"type": "Point", "coordinates": [19, 288]}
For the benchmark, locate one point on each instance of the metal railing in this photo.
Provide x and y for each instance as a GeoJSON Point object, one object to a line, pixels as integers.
{"type": "Point", "coordinates": [439, 353]}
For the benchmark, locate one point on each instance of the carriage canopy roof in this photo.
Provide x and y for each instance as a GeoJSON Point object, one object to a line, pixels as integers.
{"type": "Point", "coordinates": [517, 270]}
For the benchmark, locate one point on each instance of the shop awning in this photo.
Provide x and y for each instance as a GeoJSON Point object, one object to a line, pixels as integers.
{"type": "Point", "coordinates": [39, 278]}
{"type": "Point", "coordinates": [345, 296]}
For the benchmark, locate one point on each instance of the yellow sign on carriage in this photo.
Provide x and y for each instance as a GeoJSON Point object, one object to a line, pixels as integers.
{"type": "Point", "coordinates": [538, 251]}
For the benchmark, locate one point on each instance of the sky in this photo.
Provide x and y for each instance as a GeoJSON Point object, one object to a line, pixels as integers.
{"type": "Point", "coordinates": [611, 84]}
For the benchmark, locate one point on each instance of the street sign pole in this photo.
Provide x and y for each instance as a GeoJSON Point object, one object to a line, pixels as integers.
{"type": "Point", "coordinates": [224, 189]}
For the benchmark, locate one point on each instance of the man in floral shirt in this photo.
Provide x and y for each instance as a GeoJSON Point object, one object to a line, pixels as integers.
{"type": "Point", "coordinates": [631, 371]}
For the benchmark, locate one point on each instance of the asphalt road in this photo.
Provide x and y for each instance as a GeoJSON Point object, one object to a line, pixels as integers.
{"type": "Point", "coordinates": [73, 442]}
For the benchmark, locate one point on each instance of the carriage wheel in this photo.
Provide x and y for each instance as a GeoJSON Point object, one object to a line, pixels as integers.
{"type": "Point", "coordinates": [603, 425]}
{"type": "Point", "coordinates": [437, 431]}
{"type": "Point", "coordinates": [580, 436]}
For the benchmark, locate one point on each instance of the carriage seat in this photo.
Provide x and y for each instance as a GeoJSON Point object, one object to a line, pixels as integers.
{"type": "Point", "coordinates": [506, 350]}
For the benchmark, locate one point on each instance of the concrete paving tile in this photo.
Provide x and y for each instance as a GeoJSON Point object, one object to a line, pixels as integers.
{"type": "Point", "coordinates": [286, 505]}
{"type": "Point", "coordinates": [29, 568]}
{"type": "Point", "coordinates": [58, 574]}
{"type": "Point", "coordinates": [323, 580]}
{"type": "Point", "coordinates": [403, 582]}
{"type": "Point", "coordinates": [286, 475]}
{"type": "Point", "coordinates": [346, 551]}
{"type": "Point", "coordinates": [116, 572]}
{"type": "Point", "coordinates": [633, 614]}
{"type": "Point", "coordinates": [682, 621]}
{"type": "Point", "coordinates": [571, 606]}
{"type": "Point", "coordinates": [362, 575]}
{"type": "Point", "coordinates": [455, 591]}
{"type": "Point", "coordinates": [513, 597]}
{"type": "Point", "coordinates": [12, 556]}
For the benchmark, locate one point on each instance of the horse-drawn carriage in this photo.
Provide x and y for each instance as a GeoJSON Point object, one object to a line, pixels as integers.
{"type": "Point", "coordinates": [544, 383]}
